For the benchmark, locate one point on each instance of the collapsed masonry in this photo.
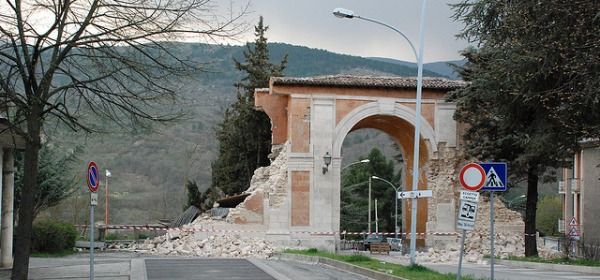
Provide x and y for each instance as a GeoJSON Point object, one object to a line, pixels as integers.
{"type": "Point", "coordinates": [269, 191]}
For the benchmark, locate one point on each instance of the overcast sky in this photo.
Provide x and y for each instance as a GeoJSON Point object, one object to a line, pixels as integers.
{"type": "Point", "coordinates": [311, 23]}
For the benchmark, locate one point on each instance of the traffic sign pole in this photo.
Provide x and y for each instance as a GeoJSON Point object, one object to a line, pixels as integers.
{"type": "Point", "coordinates": [486, 177]}
{"type": "Point", "coordinates": [492, 234]}
{"type": "Point", "coordinates": [93, 181]}
{"type": "Point", "coordinates": [467, 213]}
{"type": "Point", "coordinates": [92, 242]}
{"type": "Point", "coordinates": [462, 248]}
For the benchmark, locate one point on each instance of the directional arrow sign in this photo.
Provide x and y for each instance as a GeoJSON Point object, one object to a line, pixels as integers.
{"type": "Point", "coordinates": [415, 194]}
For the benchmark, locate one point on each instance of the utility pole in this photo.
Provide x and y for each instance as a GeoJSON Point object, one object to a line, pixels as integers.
{"type": "Point", "coordinates": [369, 205]}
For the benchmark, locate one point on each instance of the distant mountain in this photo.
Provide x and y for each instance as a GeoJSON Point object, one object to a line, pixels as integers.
{"type": "Point", "coordinates": [441, 68]}
{"type": "Point", "coordinates": [304, 62]}
{"type": "Point", "coordinates": [149, 171]}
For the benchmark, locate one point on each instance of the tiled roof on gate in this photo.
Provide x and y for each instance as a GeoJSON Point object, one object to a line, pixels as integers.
{"type": "Point", "coordinates": [369, 82]}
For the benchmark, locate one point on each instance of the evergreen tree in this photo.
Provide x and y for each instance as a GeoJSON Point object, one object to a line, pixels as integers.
{"type": "Point", "coordinates": [245, 134]}
{"type": "Point", "coordinates": [194, 197]}
{"type": "Point", "coordinates": [533, 89]}
{"type": "Point", "coordinates": [55, 181]}
{"type": "Point", "coordinates": [355, 194]}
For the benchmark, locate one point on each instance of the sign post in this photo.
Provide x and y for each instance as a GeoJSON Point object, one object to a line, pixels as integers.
{"type": "Point", "coordinates": [466, 220]}
{"type": "Point", "coordinates": [93, 181]}
{"type": "Point", "coordinates": [495, 181]}
{"type": "Point", "coordinates": [414, 195]}
{"type": "Point", "coordinates": [574, 233]}
{"type": "Point", "coordinates": [486, 177]}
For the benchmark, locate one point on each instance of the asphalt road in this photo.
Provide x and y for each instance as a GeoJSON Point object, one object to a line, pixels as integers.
{"type": "Point", "coordinates": [252, 269]}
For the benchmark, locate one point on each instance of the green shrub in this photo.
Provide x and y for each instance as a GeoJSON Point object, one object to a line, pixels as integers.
{"type": "Point", "coordinates": [549, 210]}
{"type": "Point", "coordinates": [53, 237]}
{"type": "Point", "coordinates": [111, 236]}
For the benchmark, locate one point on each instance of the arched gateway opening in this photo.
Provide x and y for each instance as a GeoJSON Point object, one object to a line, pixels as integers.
{"type": "Point", "coordinates": [312, 116]}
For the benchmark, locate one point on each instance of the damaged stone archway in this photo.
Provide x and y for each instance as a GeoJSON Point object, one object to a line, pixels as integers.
{"type": "Point", "coordinates": [311, 117]}
{"type": "Point", "coordinates": [398, 124]}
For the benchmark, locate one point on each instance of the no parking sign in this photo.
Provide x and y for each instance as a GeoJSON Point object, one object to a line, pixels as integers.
{"type": "Point", "coordinates": [93, 178]}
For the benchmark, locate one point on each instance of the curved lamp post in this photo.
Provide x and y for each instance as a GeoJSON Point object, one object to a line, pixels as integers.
{"type": "Point", "coordinates": [344, 13]}
{"type": "Point", "coordinates": [108, 175]}
{"type": "Point", "coordinates": [511, 201]}
{"type": "Point", "coordinates": [396, 200]}
{"type": "Point", "coordinates": [361, 161]}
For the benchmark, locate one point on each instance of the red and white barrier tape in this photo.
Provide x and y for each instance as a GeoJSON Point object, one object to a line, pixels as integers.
{"type": "Point", "coordinates": [291, 232]}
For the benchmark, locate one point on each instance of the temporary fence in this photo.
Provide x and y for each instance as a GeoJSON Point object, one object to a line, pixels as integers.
{"type": "Point", "coordinates": [419, 234]}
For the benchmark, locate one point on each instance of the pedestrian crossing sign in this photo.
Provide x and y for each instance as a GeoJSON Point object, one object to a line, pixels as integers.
{"type": "Point", "coordinates": [495, 176]}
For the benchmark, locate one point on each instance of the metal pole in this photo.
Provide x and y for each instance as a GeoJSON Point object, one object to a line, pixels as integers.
{"type": "Point", "coordinates": [396, 198]}
{"type": "Point", "coordinates": [106, 210]}
{"type": "Point", "coordinates": [492, 233]}
{"type": "Point", "coordinates": [396, 215]}
{"type": "Point", "coordinates": [376, 219]}
{"type": "Point", "coordinates": [417, 137]}
{"type": "Point", "coordinates": [462, 248]}
{"type": "Point", "coordinates": [92, 242]}
{"type": "Point", "coordinates": [415, 182]}
{"type": "Point", "coordinates": [369, 228]}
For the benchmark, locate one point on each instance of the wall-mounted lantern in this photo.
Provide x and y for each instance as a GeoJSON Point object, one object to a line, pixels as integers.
{"type": "Point", "coordinates": [327, 160]}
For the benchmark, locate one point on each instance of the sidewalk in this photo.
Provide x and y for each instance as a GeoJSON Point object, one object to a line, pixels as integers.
{"type": "Point", "coordinates": [107, 265]}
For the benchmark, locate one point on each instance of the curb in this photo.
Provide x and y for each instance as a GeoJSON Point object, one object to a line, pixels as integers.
{"type": "Point", "coordinates": [338, 264]}
{"type": "Point", "coordinates": [551, 267]}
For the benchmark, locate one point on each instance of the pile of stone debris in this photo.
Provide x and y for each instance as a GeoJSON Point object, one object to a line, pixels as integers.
{"type": "Point", "coordinates": [477, 247]}
{"type": "Point", "coordinates": [215, 246]}
{"type": "Point", "coordinates": [273, 179]}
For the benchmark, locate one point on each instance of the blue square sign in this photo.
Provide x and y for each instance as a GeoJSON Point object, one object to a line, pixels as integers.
{"type": "Point", "coordinates": [495, 176]}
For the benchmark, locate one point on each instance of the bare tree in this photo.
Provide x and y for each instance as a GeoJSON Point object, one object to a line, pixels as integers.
{"type": "Point", "coordinates": [63, 61]}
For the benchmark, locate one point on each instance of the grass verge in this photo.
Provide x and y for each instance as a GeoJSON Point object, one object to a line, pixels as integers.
{"type": "Point", "coordinates": [416, 272]}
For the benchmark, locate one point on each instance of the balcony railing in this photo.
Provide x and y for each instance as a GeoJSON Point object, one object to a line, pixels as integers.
{"type": "Point", "coordinates": [575, 184]}
{"type": "Point", "coordinates": [561, 187]}
{"type": "Point", "coordinates": [561, 226]}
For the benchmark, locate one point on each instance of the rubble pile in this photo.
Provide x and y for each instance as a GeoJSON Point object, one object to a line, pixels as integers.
{"type": "Point", "coordinates": [508, 238]}
{"type": "Point", "coordinates": [215, 246]}
{"type": "Point", "coordinates": [477, 246]}
{"type": "Point", "coordinates": [271, 181]}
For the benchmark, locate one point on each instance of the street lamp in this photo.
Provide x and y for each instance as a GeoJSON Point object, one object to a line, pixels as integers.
{"type": "Point", "coordinates": [511, 201]}
{"type": "Point", "coordinates": [396, 200]}
{"type": "Point", "coordinates": [344, 13]}
{"type": "Point", "coordinates": [108, 175]}
{"type": "Point", "coordinates": [362, 161]}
